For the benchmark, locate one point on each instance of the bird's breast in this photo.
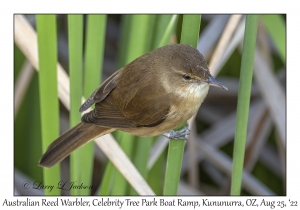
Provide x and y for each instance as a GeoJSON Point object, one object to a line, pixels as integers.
{"type": "Point", "coordinates": [187, 101]}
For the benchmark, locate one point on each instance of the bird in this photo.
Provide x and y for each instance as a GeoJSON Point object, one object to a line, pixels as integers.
{"type": "Point", "coordinates": [149, 96]}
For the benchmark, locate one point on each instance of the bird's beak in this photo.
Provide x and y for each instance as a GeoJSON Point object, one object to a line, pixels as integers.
{"type": "Point", "coordinates": [212, 81]}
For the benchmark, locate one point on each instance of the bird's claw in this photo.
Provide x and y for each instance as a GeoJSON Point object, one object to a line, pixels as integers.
{"type": "Point", "coordinates": [181, 134]}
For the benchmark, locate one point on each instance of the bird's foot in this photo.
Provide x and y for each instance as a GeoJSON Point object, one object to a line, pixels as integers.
{"type": "Point", "coordinates": [181, 134]}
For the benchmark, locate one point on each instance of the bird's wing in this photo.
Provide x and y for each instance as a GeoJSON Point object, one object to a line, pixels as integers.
{"type": "Point", "coordinates": [100, 93]}
{"type": "Point", "coordinates": [107, 113]}
{"type": "Point", "coordinates": [137, 100]}
{"type": "Point", "coordinates": [134, 102]}
{"type": "Point", "coordinates": [146, 108]}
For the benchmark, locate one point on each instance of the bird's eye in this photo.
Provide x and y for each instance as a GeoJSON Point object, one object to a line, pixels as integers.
{"type": "Point", "coordinates": [186, 77]}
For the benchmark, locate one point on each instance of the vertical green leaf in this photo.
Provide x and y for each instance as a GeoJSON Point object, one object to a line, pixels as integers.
{"type": "Point", "coordinates": [161, 23]}
{"type": "Point", "coordinates": [107, 179]}
{"type": "Point", "coordinates": [47, 52]}
{"type": "Point", "coordinates": [166, 36]}
{"type": "Point", "coordinates": [126, 142]}
{"type": "Point", "coordinates": [190, 29]}
{"type": "Point", "coordinates": [95, 40]}
{"type": "Point", "coordinates": [139, 35]}
{"type": "Point", "coordinates": [243, 102]}
{"type": "Point", "coordinates": [189, 35]}
{"type": "Point", "coordinates": [141, 157]}
{"type": "Point", "coordinates": [156, 174]}
{"type": "Point", "coordinates": [75, 34]}
{"type": "Point", "coordinates": [276, 28]}
{"type": "Point", "coordinates": [124, 37]}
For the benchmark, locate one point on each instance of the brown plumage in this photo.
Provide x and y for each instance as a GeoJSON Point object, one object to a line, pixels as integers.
{"type": "Point", "coordinates": [149, 96]}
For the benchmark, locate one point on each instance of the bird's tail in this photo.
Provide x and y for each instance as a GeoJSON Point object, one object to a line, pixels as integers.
{"type": "Point", "coordinates": [69, 141]}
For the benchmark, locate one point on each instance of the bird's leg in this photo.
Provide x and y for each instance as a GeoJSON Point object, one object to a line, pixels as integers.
{"type": "Point", "coordinates": [181, 134]}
